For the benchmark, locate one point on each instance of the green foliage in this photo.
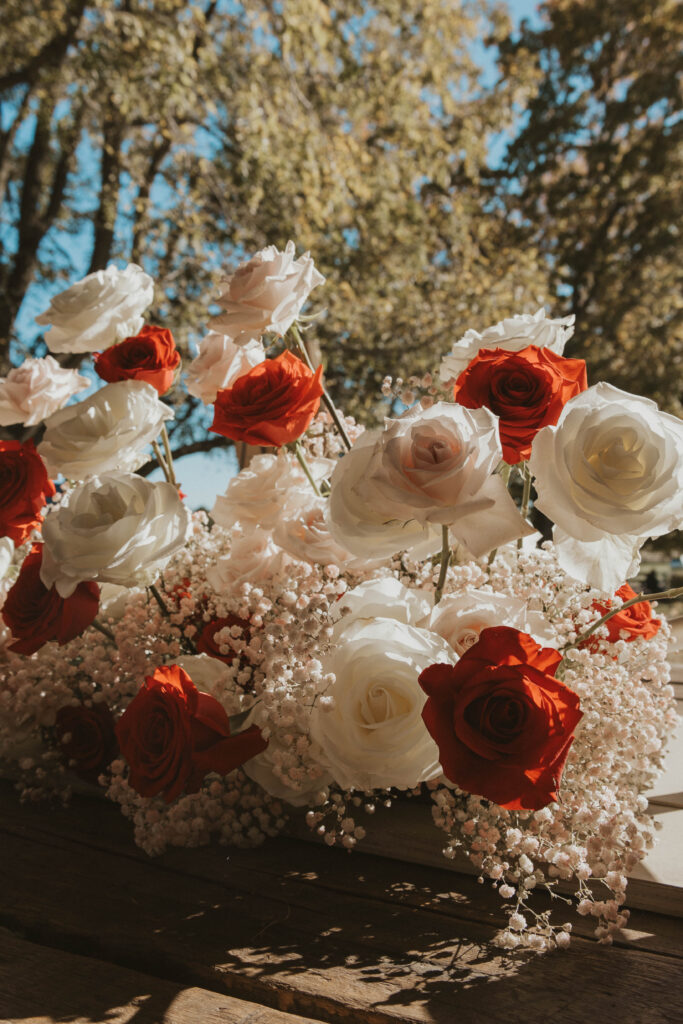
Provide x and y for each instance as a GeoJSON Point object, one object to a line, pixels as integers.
{"type": "Point", "coordinates": [186, 135]}
{"type": "Point", "coordinates": [357, 129]}
{"type": "Point", "coordinates": [598, 178]}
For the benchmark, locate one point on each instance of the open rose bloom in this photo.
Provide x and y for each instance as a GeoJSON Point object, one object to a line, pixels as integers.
{"type": "Point", "coordinates": [364, 614]}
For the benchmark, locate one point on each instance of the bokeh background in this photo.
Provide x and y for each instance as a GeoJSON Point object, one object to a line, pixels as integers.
{"type": "Point", "coordinates": [446, 163]}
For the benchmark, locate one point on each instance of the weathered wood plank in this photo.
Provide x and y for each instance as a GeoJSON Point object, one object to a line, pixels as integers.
{"type": "Point", "coordinates": [40, 985]}
{"type": "Point", "coordinates": [314, 932]}
{"type": "Point", "coordinates": [95, 823]}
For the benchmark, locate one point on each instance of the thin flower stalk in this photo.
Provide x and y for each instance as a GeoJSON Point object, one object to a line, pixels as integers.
{"type": "Point", "coordinates": [331, 408]}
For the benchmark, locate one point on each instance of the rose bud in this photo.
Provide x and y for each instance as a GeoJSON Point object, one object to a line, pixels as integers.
{"type": "Point", "coordinates": [270, 405]}
{"type": "Point", "coordinates": [172, 736]}
{"type": "Point", "coordinates": [35, 613]}
{"type": "Point", "coordinates": [150, 356]}
{"type": "Point", "coordinates": [501, 720]}
{"type": "Point", "coordinates": [24, 489]}
{"type": "Point", "coordinates": [527, 390]}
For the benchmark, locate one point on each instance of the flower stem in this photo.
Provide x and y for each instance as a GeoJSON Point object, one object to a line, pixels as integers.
{"type": "Point", "coordinates": [185, 643]}
{"type": "Point", "coordinates": [526, 493]}
{"type": "Point", "coordinates": [326, 398]}
{"type": "Point", "coordinates": [299, 452]}
{"type": "Point", "coordinates": [526, 496]}
{"type": "Point", "coordinates": [103, 630]}
{"type": "Point", "coordinates": [160, 459]}
{"type": "Point", "coordinates": [169, 457]}
{"type": "Point", "coordinates": [445, 560]}
{"type": "Point", "coordinates": [662, 595]}
{"type": "Point", "coordinates": [159, 599]}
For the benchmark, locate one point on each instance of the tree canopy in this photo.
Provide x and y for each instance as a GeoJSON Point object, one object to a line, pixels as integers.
{"type": "Point", "coordinates": [186, 135]}
{"type": "Point", "coordinates": [596, 173]}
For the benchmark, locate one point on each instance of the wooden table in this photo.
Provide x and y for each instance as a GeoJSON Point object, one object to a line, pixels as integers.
{"type": "Point", "coordinates": [92, 930]}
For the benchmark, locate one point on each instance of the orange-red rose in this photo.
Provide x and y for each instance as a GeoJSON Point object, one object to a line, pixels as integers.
{"type": "Point", "coordinates": [86, 738]}
{"type": "Point", "coordinates": [24, 489]}
{"type": "Point", "coordinates": [270, 405]}
{"type": "Point", "coordinates": [501, 720]}
{"type": "Point", "coordinates": [172, 736]}
{"type": "Point", "coordinates": [35, 614]}
{"type": "Point", "coordinates": [206, 643]}
{"type": "Point", "coordinates": [150, 356]}
{"type": "Point", "coordinates": [634, 621]}
{"type": "Point", "coordinates": [527, 390]}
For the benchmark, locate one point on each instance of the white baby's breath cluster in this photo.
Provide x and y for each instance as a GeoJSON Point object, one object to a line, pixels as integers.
{"type": "Point", "coordinates": [587, 844]}
{"type": "Point", "coordinates": [335, 571]}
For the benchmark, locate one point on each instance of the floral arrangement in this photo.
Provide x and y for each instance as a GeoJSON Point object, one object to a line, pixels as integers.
{"type": "Point", "coordinates": [363, 614]}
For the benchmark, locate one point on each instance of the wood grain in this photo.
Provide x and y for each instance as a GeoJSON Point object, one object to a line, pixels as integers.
{"type": "Point", "coordinates": [39, 985]}
{"type": "Point", "coordinates": [313, 932]}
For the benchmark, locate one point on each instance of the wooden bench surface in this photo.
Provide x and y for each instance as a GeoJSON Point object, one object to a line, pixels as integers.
{"type": "Point", "coordinates": [92, 930]}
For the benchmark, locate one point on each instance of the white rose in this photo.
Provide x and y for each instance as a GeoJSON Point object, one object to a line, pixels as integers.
{"type": "Point", "coordinates": [383, 598]}
{"type": "Point", "coordinates": [374, 736]}
{"type": "Point", "coordinates": [6, 555]}
{"type": "Point", "coordinates": [460, 618]}
{"type": "Point", "coordinates": [107, 431]}
{"type": "Point", "coordinates": [264, 490]}
{"type": "Point", "coordinates": [219, 363]}
{"type": "Point", "coordinates": [266, 293]}
{"type": "Point", "coordinates": [621, 464]}
{"type": "Point", "coordinates": [363, 527]}
{"type": "Point", "coordinates": [512, 335]}
{"type": "Point", "coordinates": [253, 558]}
{"type": "Point", "coordinates": [118, 528]}
{"type": "Point", "coordinates": [266, 770]}
{"type": "Point", "coordinates": [113, 601]}
{"type": "Point", "coordinates": [304, 533]}
{"type": "Point", "coordinates": [609, 475]}
{"type": "Point", "coordinates": [33, 391]}
{"type": "Point", "coordinates": [210, 675]}
{"type": "Point", "coordinates": [437, 466]}
{"type": "Point", "coordinates": [99, 310]}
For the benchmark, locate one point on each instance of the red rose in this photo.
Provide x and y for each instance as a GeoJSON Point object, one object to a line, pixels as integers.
{"type": "Point", "coordinates": [24, 489]}
{"type": "Point", "coordinates": [87, 738]}
{"type": "Point", "coordinates": [172, 736]}
{"type": "Point", "coordinates": [206, 643]}
{"type": "Point", "coordinates": [35, 614]}
{"type": "Point", "coordinates": [502, 722]}
{"type": "Point", "coordinates": [270, 405]}
{"type": "Point", "coordinates": [526, 389]}
{"type": "Point", "coordinates": [636, 620]}
{"type": "Point", "coordinates": [150, 356]}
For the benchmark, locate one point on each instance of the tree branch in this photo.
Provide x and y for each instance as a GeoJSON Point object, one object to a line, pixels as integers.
{"type": "Point", "coordinates": [50, 56]}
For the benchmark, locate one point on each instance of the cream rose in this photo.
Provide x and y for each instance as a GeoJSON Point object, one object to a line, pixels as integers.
{"type": "Point", "coordinates": [305, 535]}
{"type": "Point", "coordinates": [253, 558]}
{"type": "Point", "coordinates": [609, 474]}
{"type": "Point", "coordinates": [460, 618]}
{"type": "Point", "coordinates": [210, 675]}
{"type": "Point", "coordinates": [6, 556]}
{"type": "Point", "coordinates": [265, 490]}
{"type": "Point", "coordinates": [266, 294]}
{"type": "Point", "coordinates": [99, 310]}
{"type": "Point", "coordinates": [383, 598]}
{"type": "Point", "coordinates": [437, 466]}
{"type": "Point", "coordinates": [219, 363]}
{"type": "Point", "coordinates": [374, 737]}
{"type": "Point", "coordinates": [363, 527]}
{"type": "Point", "coordinates": [107, 431]}
{"type": "Point", "coordinates": [36, 389]}
{"type": "Point", "coordinates": [116, 528]}
{"type": "Point", "coordinates": [512, 334]}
